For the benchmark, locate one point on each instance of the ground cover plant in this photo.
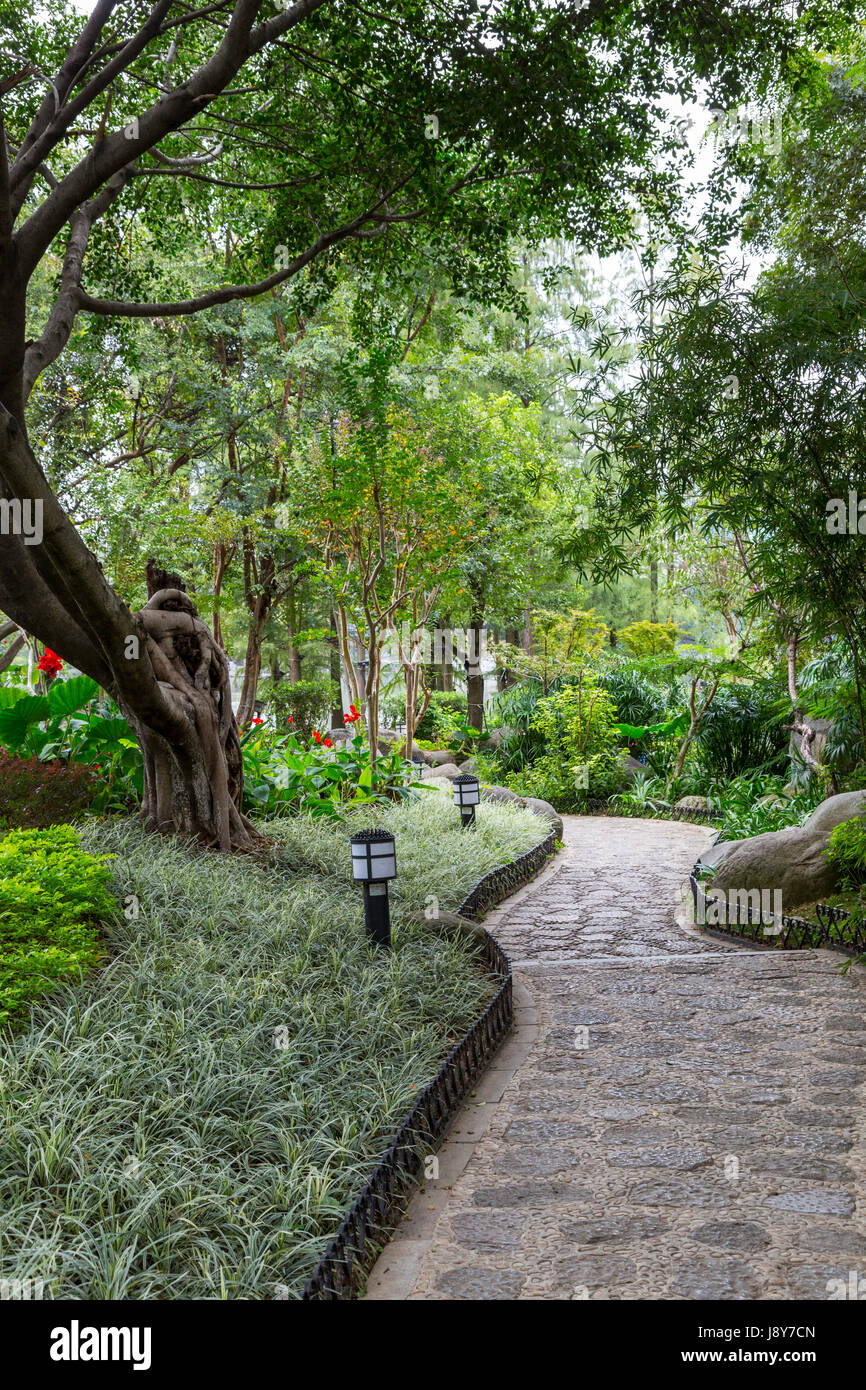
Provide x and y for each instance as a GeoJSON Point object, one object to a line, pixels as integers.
{"type": "Point", "coordinates": [195, 1122]}
{"type": "Point", "coordinates": [52, 898]}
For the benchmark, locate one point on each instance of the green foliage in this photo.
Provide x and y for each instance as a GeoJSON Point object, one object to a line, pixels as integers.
{"type": "Point", "coordinates": [561, 645]}
{"type": "Point", "coordinates": [753, 805]}
{"type": "Point", "coordinates": [51, 895]}
{"type": "Point", "coordinates": [74, 724]}
{"type": "Point", "coordinates": [445, 712]}
{"type": "Point", "coordinates": [247, 1048]}
{"type": "Point", "coordinates": [645, 797]}
{"type": "Point", "coordinates": [846, 851]}
{"type": "Point", "coordinates": [516, 707]}
{"type": "Point", "coordinates": [648, 639]}
{"type": "Point", "coordinates": [306, 704]}
{"type": "Point", "coordinates": [638, 699]}
{"type": "Point", "coordinates": [577, 721]}
{"type": "Point", "coordinates": [742, 730]}
{"type": "Point", "coordinates": [280, 775]}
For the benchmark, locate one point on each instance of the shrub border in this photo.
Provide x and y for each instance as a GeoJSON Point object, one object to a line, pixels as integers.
{"type": "Point", "coordinates": [376, 1212]}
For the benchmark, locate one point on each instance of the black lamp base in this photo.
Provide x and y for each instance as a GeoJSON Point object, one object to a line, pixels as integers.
{"type": "Point", "coordinates": [377, 914]}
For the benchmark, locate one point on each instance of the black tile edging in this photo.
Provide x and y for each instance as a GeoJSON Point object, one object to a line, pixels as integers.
{"type": "Point", "coordinates": [377, 1210]}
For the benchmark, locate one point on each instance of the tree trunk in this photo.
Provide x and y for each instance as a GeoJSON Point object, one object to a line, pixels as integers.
{"type": "Point", "coordinates": [654, 590]}
{"type": "Point", "coordinates": [193, 784]}
{"type": "Point", "coordinates": [334, 655]}
{"type": "Point", "coordinates": [447, 653]}
{"type": "Point", "coordinates": [252, 661]}
{"type": "Point", "coordinates": [474, 677]}
{"type": "Point", "coordinates": [162, 666]}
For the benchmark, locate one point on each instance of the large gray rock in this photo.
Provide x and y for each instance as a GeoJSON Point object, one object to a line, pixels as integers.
{"type": "Point", "coordinates": [793, 860]}
{"type": "Point", "coordinates": [435, 756]}
{"type": "Point", "coordinates": [449, 770]}
{"type": "Point", "coordinates": [546, 811]}
{"type": "Point", "coordinates": [691, 803]}
{"type": "Point", "coordinates": [500, 794]}
{"type": "Point", "coordinates": [632, 768]}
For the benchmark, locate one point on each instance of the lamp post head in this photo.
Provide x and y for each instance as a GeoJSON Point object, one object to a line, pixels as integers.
{"type": "Point", "coordinates": [467, 790]}
{"type": "Point", "coordinates": [374, 856]}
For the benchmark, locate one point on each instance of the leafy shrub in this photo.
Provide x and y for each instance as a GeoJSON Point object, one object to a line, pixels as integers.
{"type": "Point", "coordinates": [560, 783]}
{"type": "Point", "coordinates": [637, 699]}
{"type": "Point", "coordinates": [746, 812]}
{"type": "Point", "coordinates": [281, 776]}
{"type": "Point", "coordinates": [577, 721]}
{"type": "Point", "coordinates": [75, 723]}
{"type": "Point", "coordinates": [741, 730]}
{"type": "Point", "coordinates": [445, 712]}
{"type": "Point", "coordinates": [648, 639]}
{"type": "Point", "coordinates": [515, 707]}
{"type": "Point", "coordinates": [308, 704]}
{"type": "Point", "coordinates": [35, 794]}
{"type": "Point", "coordinates": [846, 851]}
{"type": "Point", "coordinates": [51, 894]}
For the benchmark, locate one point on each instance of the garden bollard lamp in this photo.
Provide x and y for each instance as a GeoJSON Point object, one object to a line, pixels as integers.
{"type": "Point", "coordinates": [374, 863]}
{"type": "Point", "coordinates": [467, 794]}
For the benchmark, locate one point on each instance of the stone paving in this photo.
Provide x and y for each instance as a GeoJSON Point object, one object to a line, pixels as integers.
{"type": "Point", "coordinates": [677, 1117]}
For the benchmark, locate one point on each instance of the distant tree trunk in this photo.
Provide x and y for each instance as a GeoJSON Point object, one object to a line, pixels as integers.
{"type": "Point", "coordinates": [293, 625]}
{"type": "Point", "coordinates": [526, 635]}
{"type": "Point", "coordinates": [334, 657]}
{"type": "Point", "coordinates": [654, 590]}
{"type": "Point", "coordinates": [474, 677]}
{"type": "Point", "coordinates": [507, 676]}
{"type": "Point", "coordinates": [261, 593]}
{"type": "Point", "coordinates": [447, 654]}
{"type": "Point", "coordinates": [223, 554]}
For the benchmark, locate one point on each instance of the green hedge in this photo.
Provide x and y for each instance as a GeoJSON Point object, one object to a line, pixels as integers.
{"type": "Point", "coordinates": [51, 896]}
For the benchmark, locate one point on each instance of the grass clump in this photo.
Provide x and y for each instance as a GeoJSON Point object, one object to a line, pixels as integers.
{"type": "Point", "coordinates": [195, 1123]}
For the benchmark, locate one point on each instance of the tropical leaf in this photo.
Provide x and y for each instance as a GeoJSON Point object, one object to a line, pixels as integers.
{"type": "Point", "coordinates": [67, 697]}
{"type": "Point", "coordinates": [10, 695]}
{"type": "Point", "coordinates": [15, 722]}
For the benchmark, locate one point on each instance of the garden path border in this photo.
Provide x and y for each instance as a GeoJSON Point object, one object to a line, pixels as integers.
{"type": "Point", "coordinates": [378, 1209]}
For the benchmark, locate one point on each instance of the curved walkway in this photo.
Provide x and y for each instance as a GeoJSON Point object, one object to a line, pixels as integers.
{"type": "Point", "coordinates": [675, 1117]}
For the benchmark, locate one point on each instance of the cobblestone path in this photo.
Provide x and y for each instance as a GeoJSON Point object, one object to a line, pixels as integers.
{"type": "Point", "coordinates": [675, 1117]}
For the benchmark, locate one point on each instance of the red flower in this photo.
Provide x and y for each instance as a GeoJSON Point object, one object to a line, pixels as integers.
{"type": "Point", "coordinates": [353, 715]}
{"type": "Point", "coordinates": [50, 663]}
{"type": "Point", "coordinates": [326, 743]}
{"type": "Point", "coordinates": [291, 719]}
{"type": "Point", "coordinates": [317, 736]}
{"type": "Point", "coordinates": [258, 721]}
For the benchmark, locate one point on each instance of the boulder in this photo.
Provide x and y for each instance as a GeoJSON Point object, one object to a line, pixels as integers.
{"type": "Point", "coordinates": [495, 737]}
{"type": "Point", "coordinates": [434, 756]}
{"type": "Point", "coordinates": [449, 770]}
{"type": "Point", "coordinates": [632, 768]}
{"type": "Point", "coordinates": [791, 860]}
{"type": "Point", "coordinates": [691, 803]}
{"type": "Point", "coordinates": [469, 766]}
{"type": "Point", "coordinates": [500, 794]}
{"type": "Point", "coordinates": [546, 811]}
